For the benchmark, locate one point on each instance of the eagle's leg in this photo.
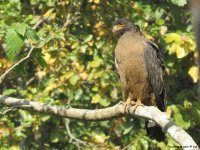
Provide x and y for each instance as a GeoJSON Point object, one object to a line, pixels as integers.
{"type": "Point", "coordinates": [128, 102]}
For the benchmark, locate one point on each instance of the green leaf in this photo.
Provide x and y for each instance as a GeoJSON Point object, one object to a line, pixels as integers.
{"type": "Point", "coordinates": [44, 118]}
{"type": "Point", "coordinates": [20, 28]}
{"type": "Point", "coordinates": [127, 130]}
{"type": "Point", "coordinates": [14, 43]}
{"type": "Point", "coordinates": [181, 121]}
{"type": "Point", "coordinates": [41, 61]}
{"type": "Point", "coordinates": [46, 40]}
{"type": "Point", "coordinates": [95, 63]}
{"type": "Point", "coordinates": [104, 102]}
{"type": "Point", "coordinates": [56, 136]}
{"type": "Point", "coordinates": [88, 38]}
{"type": "Point", "coordinates": [179, 2]}
{"type": "Point", "coordinates": [74, 79]}
{"type": "Point", "coordinates": [9, 91]}
{"type": "Point", "coordinates": [32, 34]}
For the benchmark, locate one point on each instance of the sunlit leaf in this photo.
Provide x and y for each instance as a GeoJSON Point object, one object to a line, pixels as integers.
{"type": "Point", "coordinates": [96, 98]}
{"type": "Point", "coordinates": [88, 38]}
{"type": "Point", "coordinates": [179, 2]}
{"type": "Point", "coordinates": [74, 79]}
{"type": "Point", "coordinates": [193, 72]}
{"type": "Point", "coordinates": [180, 52]}
{"type": "Point", "coordinates": [95, 63]}
{"type": "Point", "coordinates": [170, 37]}
{"type": "Point", "coordinates": [104, 102]}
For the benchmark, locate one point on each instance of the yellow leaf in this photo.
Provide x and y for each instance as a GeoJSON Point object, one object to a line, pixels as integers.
{"type": "Point", "coordinates": [169, 111]}
{"type": "Point", "coordinates": [91, 43]}
{"type": "Point", "coordinates": [193, 72]}
{"type": "Point", "coordinates": [49, 59]}
{"type": "Point", "coordinates": [62, 44]}
{"type": "Point", "coordinates": [101, 33]}
{"type": "Point", "coordinates": [113, 93]}
{"type": "Point", "coordinates": [192, 44]}
{"type": "Point", "coordinates": [95, 88]}
{"type": "Point", "coordinates": [180, 52]}
{"type": "Point", "coordinates": [170, 37]}
{"type": "Point", "coordinates": [96, 99]}
{"type": "Point", "coordinates": [145, 24]}
{"type": "Point", "coordinates": [96, 1]}
{"type": "Point", "coordinates": [95, 63]}
{"type": "Point", "coordinates": [48, 13]}
{"type": "Point", "coordinates": [149, 37]}
{"type": "Point", "coordinates": [98, 139]}
{"type": "Point", "coordinates": [172, 49]}
{"type": "Point", "coordinates": [15, 147]}
{"type": "Point", "coordinates": [75, 45]}
{"type": "Point", "coordinates": [84, 75]}
{"type": "Point", "coordinates": [40, 74]}
{"type": "Point", "coordinates": [98, 25]}
{"type": "Point", "coordinates": [68, 74]}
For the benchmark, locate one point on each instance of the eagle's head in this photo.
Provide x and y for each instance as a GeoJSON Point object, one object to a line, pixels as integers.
{"type": "Point", "coordinates": [122, 25]}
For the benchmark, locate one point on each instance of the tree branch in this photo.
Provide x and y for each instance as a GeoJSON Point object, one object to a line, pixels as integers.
{"type": "Point", "coordinates": [73, 139]}
{"type": "Point", "coordinates": [118, 110]}
{"type": "Point", "coordinates": [16, 64]}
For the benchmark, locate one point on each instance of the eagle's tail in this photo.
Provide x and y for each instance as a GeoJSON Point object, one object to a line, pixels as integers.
{"type": "Point", "coordinates": [154, 131]}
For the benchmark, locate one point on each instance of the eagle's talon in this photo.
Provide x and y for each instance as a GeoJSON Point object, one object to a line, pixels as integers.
{"type": "Point", "coordinates": [121, 103]}
{"type": "Point", "coordinates": [136, 104]}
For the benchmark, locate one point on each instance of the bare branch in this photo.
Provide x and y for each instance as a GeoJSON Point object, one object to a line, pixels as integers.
{"type": "Point", "coordinates": [16, 64]}
{"type": "Point", "coordinates": [118, 110]}
{"type": "Point", "coordinates": [73, 139]}
{"type": "Point", "coordinates": [6, 111]}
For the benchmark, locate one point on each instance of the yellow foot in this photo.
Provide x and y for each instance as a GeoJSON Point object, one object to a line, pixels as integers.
{"type": "Point", "coordinates": [136, 104]}
{"type": "Point", "coordinates": [128, 104]}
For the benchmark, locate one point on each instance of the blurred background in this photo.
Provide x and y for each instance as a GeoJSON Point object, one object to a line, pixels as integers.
{"type": "Point", "coordinates": [73, 64]}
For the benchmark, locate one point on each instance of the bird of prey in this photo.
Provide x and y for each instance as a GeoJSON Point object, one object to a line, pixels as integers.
{"type": "Point", "coordinates": [140, 67]}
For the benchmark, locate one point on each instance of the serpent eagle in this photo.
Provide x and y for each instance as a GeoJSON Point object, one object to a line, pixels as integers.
{"type": "Point", "coordinates": [140, 67]}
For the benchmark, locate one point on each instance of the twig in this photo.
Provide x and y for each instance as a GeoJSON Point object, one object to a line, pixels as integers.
{"type": "Point", "coordinates": [16, 64]}
{"type": "Point", "coordinates": [6, 111]}
{"type": "Point", "coordinates": [70, 17]}
{"type": "Point", "coordinates": [67, 22]}
{"type": "Point", "coordinates": [72, 137]}
{"type": "Point", "coordinates": [37, 24]}
{"type": "Point", "coordinates": [14, 108]}
{"type": "Point", "coordinates": [42, 20]}
{"type": "Point", "coordinates": [29, 81]}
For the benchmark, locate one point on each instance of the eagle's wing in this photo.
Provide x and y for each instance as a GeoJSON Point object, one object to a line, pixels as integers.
{"type": "Point", "coordinates": [155, 71]}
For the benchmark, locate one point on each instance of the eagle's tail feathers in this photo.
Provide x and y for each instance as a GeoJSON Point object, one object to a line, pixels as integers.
{"type": "Point", "coordinates": [154, 131]}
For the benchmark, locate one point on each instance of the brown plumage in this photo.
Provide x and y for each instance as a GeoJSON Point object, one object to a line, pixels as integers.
{"type": "Point", "coordinates": [141, 71]}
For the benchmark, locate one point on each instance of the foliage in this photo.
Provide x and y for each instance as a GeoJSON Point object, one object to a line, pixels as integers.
{"type": "Point", "coordinates": [73, 64]}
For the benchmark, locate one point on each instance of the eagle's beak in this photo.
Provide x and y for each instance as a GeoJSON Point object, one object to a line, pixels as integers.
{"type": "Point", "coordinates": [117, 28]}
